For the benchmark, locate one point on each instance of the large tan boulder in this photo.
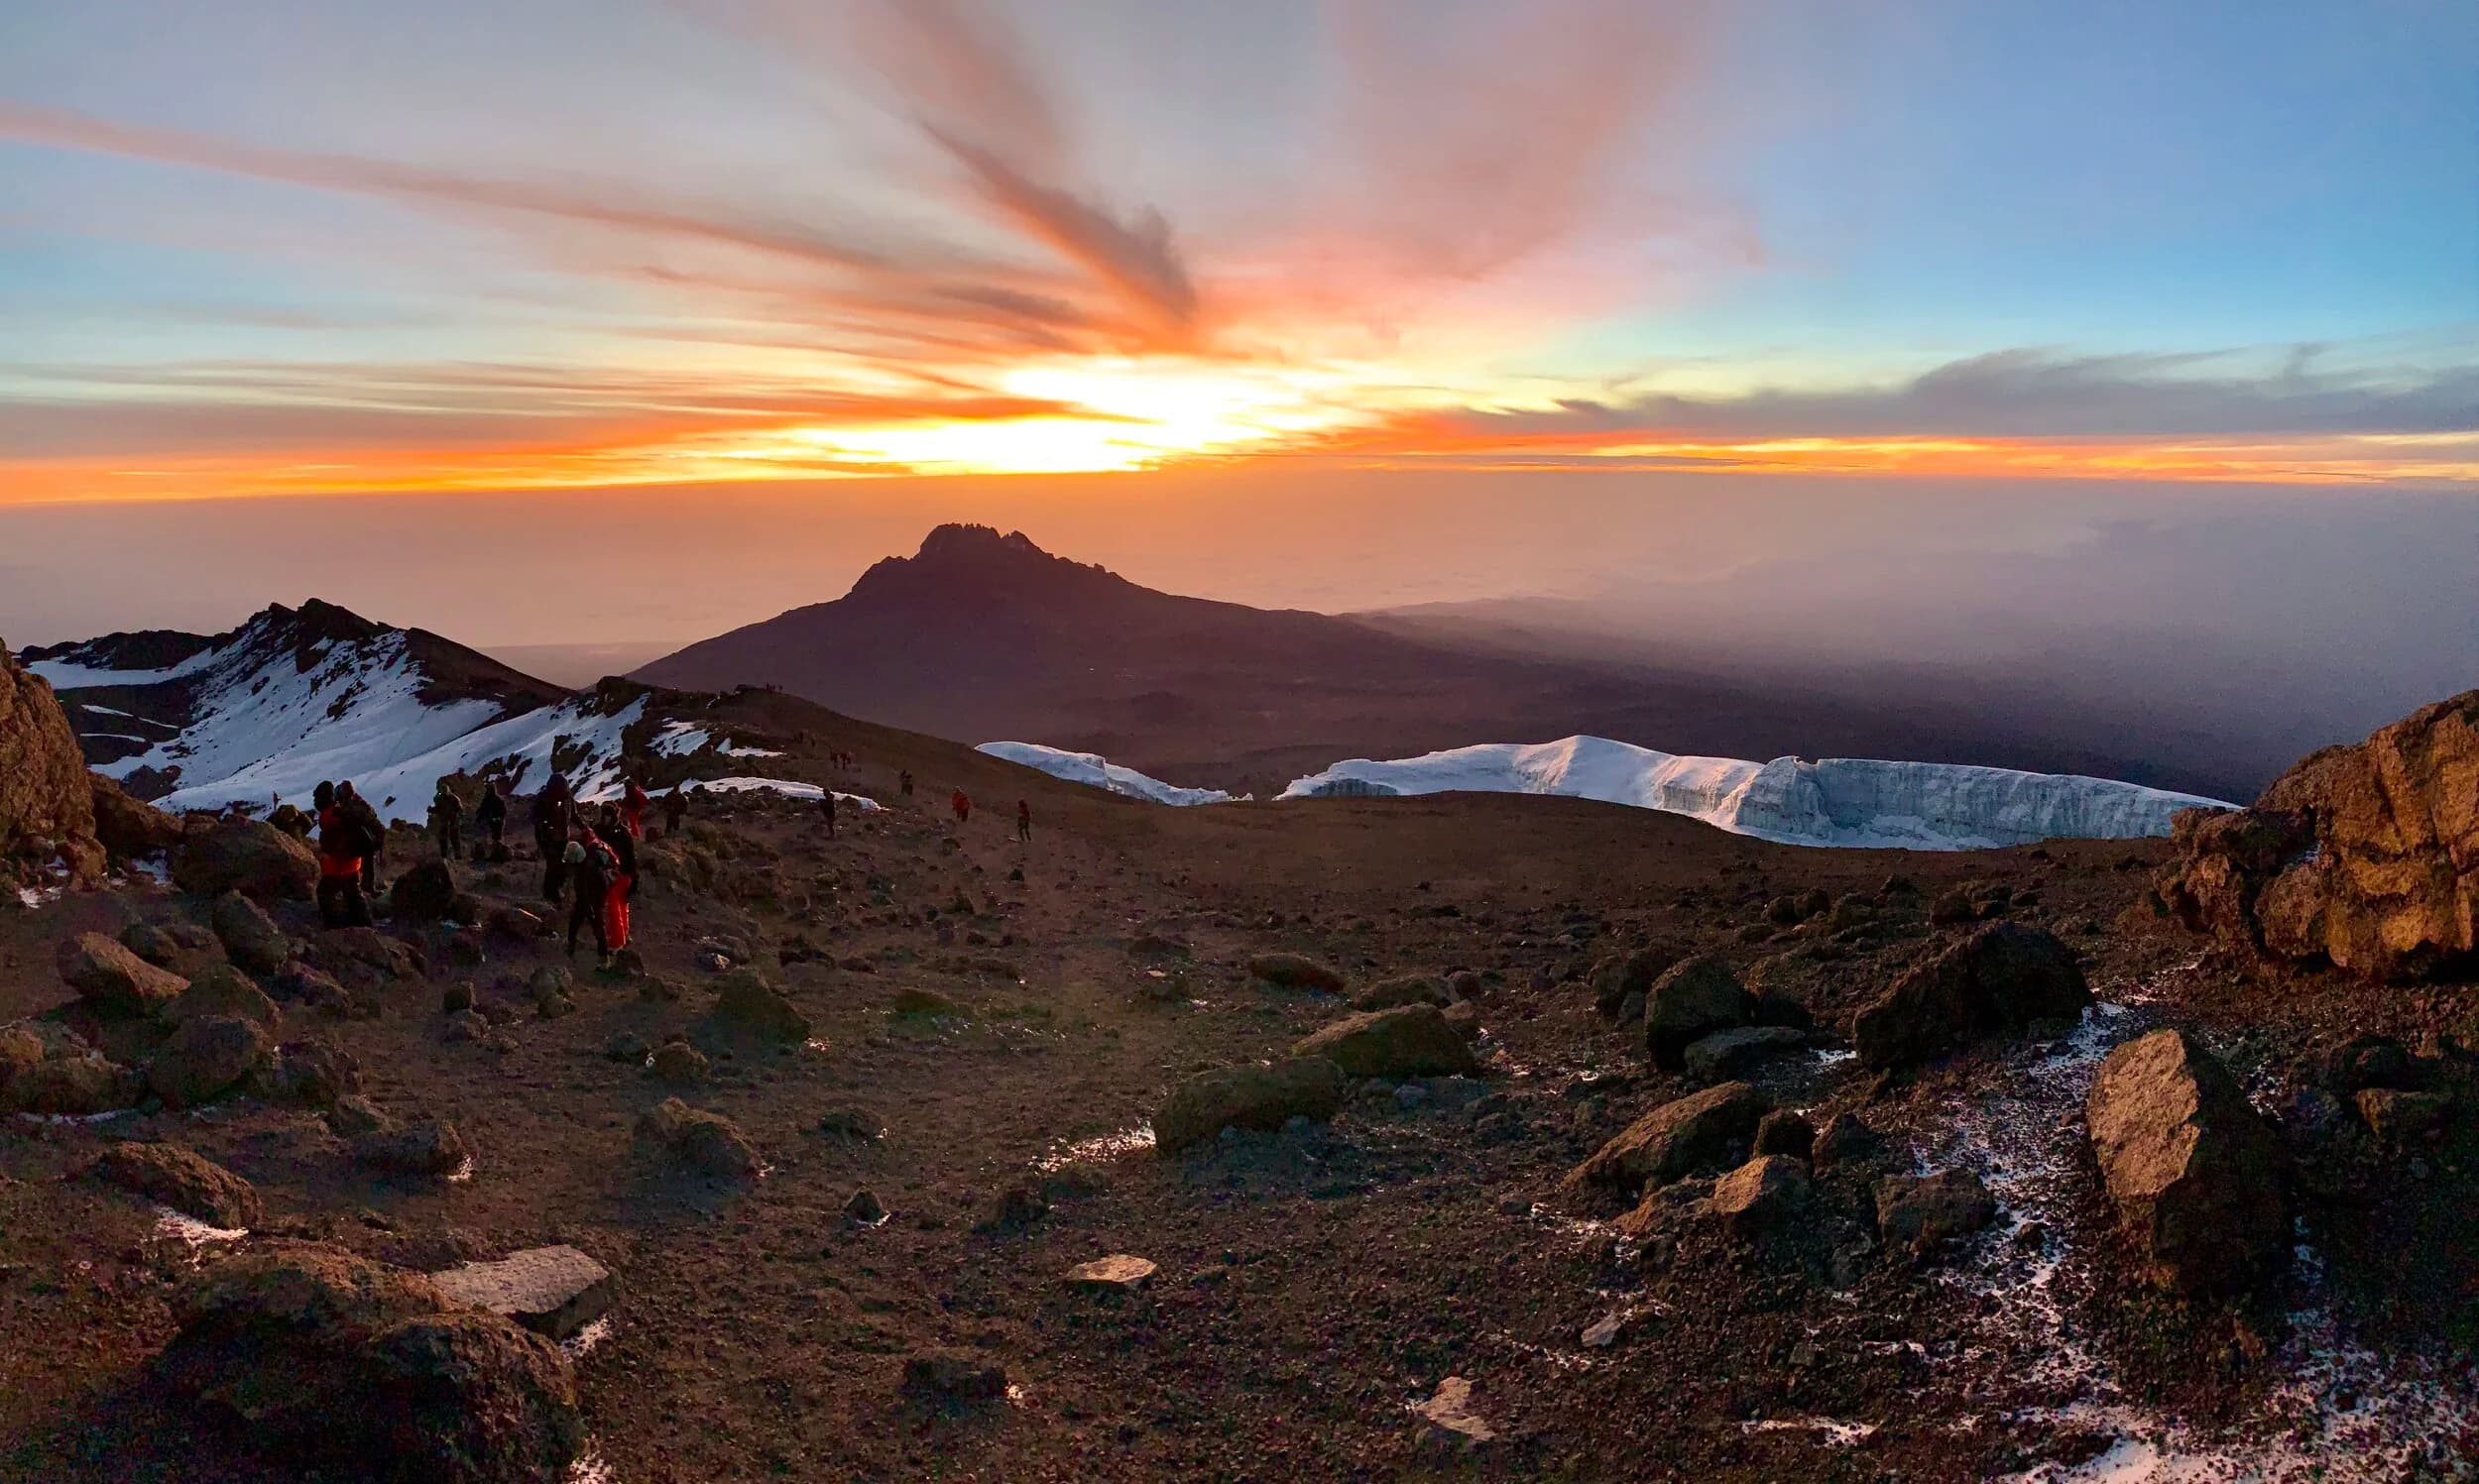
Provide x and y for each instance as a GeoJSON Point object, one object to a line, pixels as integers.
{"type": "Point", "coordinates": [2366, 855]}
{"type": "Point", "coordinates": [113, 979]}
{"type": "Point", "coordinates": [129, 826]}
{"type": "Point", "coordinates": [188, 1181]}
{"type": "Point", "coordinates": [2196, 1176]}
{"type": "Point", "coordinates": [46, 807]}
{"type": "Point", "coordinates": [1406, 1041]}
{"type": "Point", "coordinates": [246, 856]}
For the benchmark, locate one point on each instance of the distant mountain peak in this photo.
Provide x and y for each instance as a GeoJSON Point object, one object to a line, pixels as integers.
{"type": "Point", "coordinates": [956, 539]}
{"type": "Point", "coordinates": [957, 561]}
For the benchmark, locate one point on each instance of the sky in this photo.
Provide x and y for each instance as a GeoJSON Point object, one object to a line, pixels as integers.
{"type": "Point", "coordinates": [351, 247]}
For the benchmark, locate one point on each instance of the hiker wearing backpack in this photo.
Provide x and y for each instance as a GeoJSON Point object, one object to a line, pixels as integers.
{"type": "Point", "coordinates": [447, 820]}
{"type": "Point", "coordinates": [590, 866]}
{"type": "Point", "coordinates": [491, 815]}
{"type": "Point", "coordinates": [961, 805]}
{"type": "Point", "coordinates": [372, 835]}
{"type": "Point", "coordinates": [340, 900]}
{"type": "Point", "coordinates": [633, 802]}
{"type": "Point", "coordinates": [554, 812]}
{"type": "Point", "coordinates": [826, 806]}
{"type": "Point", "coordinates": [675, 809]}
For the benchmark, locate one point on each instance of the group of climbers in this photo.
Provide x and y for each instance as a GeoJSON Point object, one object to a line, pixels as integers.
{"type": "Point", "coordinates": [350, 839]}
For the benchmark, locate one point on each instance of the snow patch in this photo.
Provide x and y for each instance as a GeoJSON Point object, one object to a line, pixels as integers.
{"type": "Point", "coordinates": [787, 787]}
{"type": "Point", "coordinates": [1839, 801]}
{"type": "Point", "coordinates": [1096, 772]}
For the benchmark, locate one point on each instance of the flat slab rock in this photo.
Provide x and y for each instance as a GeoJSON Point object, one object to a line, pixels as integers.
{"type": "Point", "coordinates": [1450, 1418]}
{"type": "Point", "coordinates": [1121, 1269]}
{"type": "Point", "coordinates": [551, 1291]}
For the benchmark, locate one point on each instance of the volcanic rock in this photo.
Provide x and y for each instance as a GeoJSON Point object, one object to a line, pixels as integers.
{"type": "Point", "coordinates": [1692, 999]}
{"type": "Point", "coordinates": [696, 1139]}
{"type": "Point", "coordinates": [46, 806]}
{"type": "Point", "coordinates": [1785, 1132]}
{"type": "Point", "coordinates": [1408, 1041]}
{"type": "Point", "coordinates": [113, 979]}
{"type": "Point", "coordinates": [1251, 1096]}
{"type": "Point", "coordinates": [221, 989]}
{"type": "Point", "coordinates": [1296, 971]}
{"type": "Point", "coordinates": [1761, 1196]}
{"type": "Point", "coordinates": [1402, 990]}
{"type": "Point", "coordinates": [429, 1147]}
{"type": "Point", "coordinates": [2002, 977]}
{"type": "Point", "coordinates": [246, 856]}
{"type": "Point", "coordinates": [181, 1179]}
{"type": "Point", "coordinates": [1118, 1273]}
{"type": "Point", "coordinates": [426, 893]}
{"type": "Point", "coordinates": [746, 1007]}
{"type": "Point", "coordinates": [207, 1057]}
{"type": "Point", "coordinates": [551, 1291]}
{"type": "Point", "coordinates": [129, 827]}
{"type": "Point", "coordinates": [1712, 1129]}
{"type": "Point", "coordinates": [1727, 1053]}
{"type": "Point", "coordinates": [1917, 1212]}
{"type": "Point", "coordinates": [677, 1063]}
{"type": "Point", "coordinates": [2196, 1176]}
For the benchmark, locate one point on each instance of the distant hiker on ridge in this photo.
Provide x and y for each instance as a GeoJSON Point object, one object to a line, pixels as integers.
{"type": "Point", "coordinates": [340, 900]}
{"type": "Point", "coordinates": [904, 781]}
{"type": "Point", "coordinates": [447, 819]}
{"type": "Point", "coordinates": [1024, 820]}
{"type": "Point", "coordinates": [826, 806]}
{"type": "Point", "coordinates": [491, 815]}
{"type": "Point", "coordinates": [961, 805]}
{"type": "Point", "coordinates": [675, 809]}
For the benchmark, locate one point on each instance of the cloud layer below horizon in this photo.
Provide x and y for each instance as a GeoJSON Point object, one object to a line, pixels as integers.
{"type": "Point", "coordinates": [713, 239]}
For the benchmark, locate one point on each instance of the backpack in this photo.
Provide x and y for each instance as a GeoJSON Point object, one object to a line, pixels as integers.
{"type": "Point", "coordinates": [601, 863]}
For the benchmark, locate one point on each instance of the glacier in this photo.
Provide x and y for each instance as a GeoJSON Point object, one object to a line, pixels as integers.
{"type": "Point", "coordinates": [1097, 771]}
{"type": "Point", "coordinates": [1851, 802]}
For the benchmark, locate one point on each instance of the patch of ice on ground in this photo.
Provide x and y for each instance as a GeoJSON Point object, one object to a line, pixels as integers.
{"type": "Point", "coordinates": [576, 1346]}
{"type": "Point", "coordinates": [1830, 1432]}
{"type": "Point", "coordinates": [589, 1468]}
{"type": "Point", "coordinates": [1096, 1150]}
{"type": "Point", "coordinates": [1851, 802]}
{"type": "Point", "coordinates": [787, 787]}
{"type": "Point", "coordinates": [1096, 772]}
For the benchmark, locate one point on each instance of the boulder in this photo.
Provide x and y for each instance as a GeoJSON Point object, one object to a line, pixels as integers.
{"type": "Point", "coordinates": [1402, 990]}
{"type": "Point", "coordinates": [246, 856]}
{"type": "Point", "coordinates": [679, 1064]}
{"type": "Point", "coordinates": [221, 989]}
{"type": "Point", "coordinates": [1709, 1130]}
{"type": "Point", "coordinates": [1254, 1097]}
{"type": "Point", "coordinates": [427, 1148]}
{"type": "Point", "coordinates": [1451, 1421]}
{"type": "Point", "coordinates": [707, 1143]}
{"type": "Point", "coordinates": [1121, 1272]}
{"type": "Point", "coordinates": [1296, 971]}
{"type": "Point", "coordinates": [47, 805]}
{"type": "Point", "coordinates": [2000, 978]}
{"type": "Point", "coordinates": [1785, 1132]}
{"type": "Point", "coordinates": [363, 957]}
{"type": "Point", "coordinates": [1917, 1212]}
{"type": "Point", "coordinates": [340, 1367]}
{"type": "Point", "coordinates": [1763, 1195]}
{"type": "Point", "coordinates": [1726, 1054]}
{"type": "Point", "coordinates": [150, 942]}
{"type": "Point", "coordinates": [426, 892]}
{"type": "Point", "coordinates": [748, 1008]}
{"type": "Point", "coordinates": [46, 1071]}
{"type": "Point", "coordinates": [1408, 1041]}
{"type": "Point", "coordinates": [181, 1179]}
{"type": "Point", "coordinates": [114, 980]}
{"type": "Point", "coordinates": [207, 1057]}
{"type": "Point", "coordinates": [1621, 976]}
{"type": "Point", "coordinates": [298, 983]}
{"type": "Point", "coordinates": [551, 1291]}
{"type": "Point", "coordinates": [129, 829]}
{"type": "Point", "coordinates": [1694, 999]}
{"type": "Point", "coordinates": [2196, 1176]}
{"type": "Point", "coordinates": [2366, 855]}
{"type": "Point", "coordinates": [2394, 1113]}
{"type": "Point", "coordinates": [1848, 1139]}
{"type": "Point", "coordinates": [310, 1074]}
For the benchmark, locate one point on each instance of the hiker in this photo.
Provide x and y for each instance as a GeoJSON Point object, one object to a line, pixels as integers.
{"type": "Point", "coordinates": [590, 865]}
{"type": "Point", "coordinates": [675, 809]}
{"type": "Point", "coordinates": [374, 833]}
{"type": "Point", "coordinates": [340, 900]}
{"type": "Point", "coordinates": [633, 802]}
{"type": "Point", "coordinates": [1024, 820]}
{"type": "Point", "coordinates": [622, 890]}
{"type": "Point", "coordinates": [553, 813]}
{"type": "Point", "coordinates": [961, 805]}
{"type": "Point", "coordinates": [904, 781]}
{"type": "Point", "coordinates": [447, 820]}
{"type": "Point", "coordinates": [491, 815]}
{"type": "Point", "coordinates": [826, 806]}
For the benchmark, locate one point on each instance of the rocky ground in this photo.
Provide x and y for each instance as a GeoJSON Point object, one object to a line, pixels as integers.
{"type": "Point", "coordinates": [1430, 1262]}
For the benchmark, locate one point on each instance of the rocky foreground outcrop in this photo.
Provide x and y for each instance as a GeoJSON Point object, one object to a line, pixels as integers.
{"type": "Point", "coordinates": [2196, 1176]}
{"type": "Point", "coordinates": [2366, 855]}
{"type": "Point", "coordinates": [46, 807]}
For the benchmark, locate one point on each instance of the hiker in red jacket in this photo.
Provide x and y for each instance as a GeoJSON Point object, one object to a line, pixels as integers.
{"type": "Point", "coordinates": [632, 804]}
{"type": "Point", "coordinates": [622, 887]}
{"type": "Point", "coordinates": [961, 805]}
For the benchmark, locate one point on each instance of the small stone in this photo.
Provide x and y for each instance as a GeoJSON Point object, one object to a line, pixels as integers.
{"type": "Point", "coordinates": [679, 1064]}
{"type": "Point", "coordinates": [2394, 1115]}
{"type": "Point", "coordinates": [429, 1147]}
{"type": "Point", "coordinates": [465, 1025]}
{"type": "Point", "coordinates": [1758, 1197]}
{"type": "Point", "coordinates": [1450, 1420]}
{"type": "Point", "coordinates": [1607, 1330]}
{"type": "Point", "coordinates": [851, 1123]}
{"type": "Point", "coordinates": [187, 1182]}
{"type": "Point", "coordinates": [552, 1291]}
{"type": "Point", "coordinates": [865, 1209]}
{"type": "Point", "coordinates": [1785, 1132]}
{"type": "Point", "coordinates": [1411, 1096]}
{"type": "Point", "coordinates": [1918, 1212]}
{"type": "Point", "coordinates": [626, 1046]}
{"type": "Point", "coordinates": [1120, 1272]}
{"type": "Point", "coordinates": [456, 996]}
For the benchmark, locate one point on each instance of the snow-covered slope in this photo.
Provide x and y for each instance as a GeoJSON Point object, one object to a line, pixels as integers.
{"type": "Point", "coordinates": [1099, 772]}
{"type": "Point", "coordinates": [1840, 801]}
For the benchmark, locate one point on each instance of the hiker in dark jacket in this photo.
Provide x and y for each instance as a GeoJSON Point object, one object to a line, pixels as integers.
{"type": "Point", "coordinates": [555, 812]}
{"type": "Point", "coordinates": [340, 900]}
{"type": "Point", "coordinates": [491, 815]}
{"type": "Point", "coordinates": [1023, 819]}
{"type": "Point", "coordinates": [447, 820]}
{"type": "Point", "coordinates": [826, 806]}
{"type": "Point", "coordinates": [674, 808]}
{"type": "Point", "coordinates": [590, 866]}
{"type": "Point", "coordinates": [374, 834]}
